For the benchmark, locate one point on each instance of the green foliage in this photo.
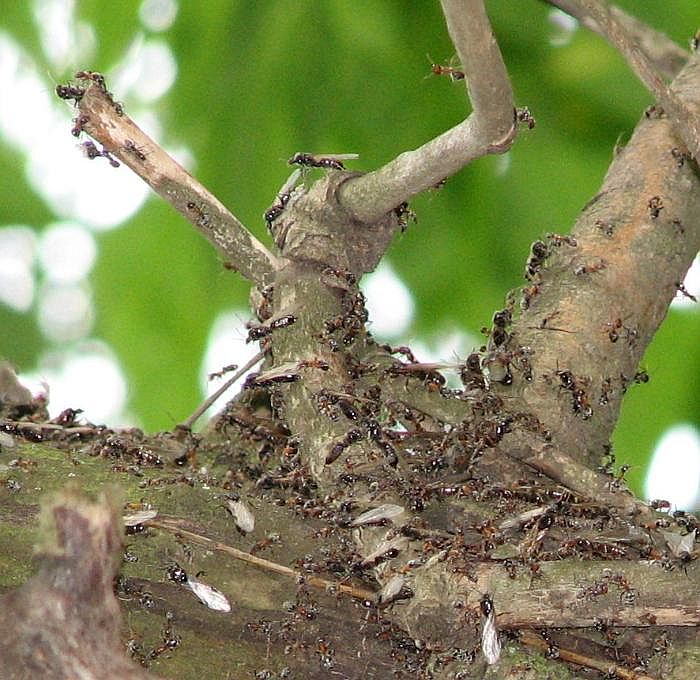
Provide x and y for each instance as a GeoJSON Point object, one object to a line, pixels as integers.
{"type": "Point", "coordinates": [259, 81]}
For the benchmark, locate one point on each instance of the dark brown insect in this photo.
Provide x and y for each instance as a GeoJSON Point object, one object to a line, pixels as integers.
{"type": "Point", "coordinates": [130, 147]}
{"type": "Point", "coordinates": [283, 197]}
{"type": "Point", "coordinates": [538, 254]}
{"type": "Point", "coordinates": [529, 292]}
{"type": "Point", "coordinates": [655, 205]}
{"type": "Point", "coordinates": [684, 291]}
{"type": "Point", "coordinates": [605, 227]}
{"type": "Point", "coordinates": [70, 92]}
{"type": "Point", "coordinates": [80, 122]}
{"type": "Point", "coordinates": [203, 218]}
{"type": "Point", "coordinates": [328, 161]}
{"type": "Point", "coordinates": [523, 115]}
{"type": "Point", "coordinates": [92, 152]}
{"type": "Point", "coordinates": [263, 330]}
{"type": "Point", "coordinates": [577, 386]}
{"type": "Point", "coordinates": [337, 449]}
{"type": "Point", "coordinates": [591, 268]}
{"type": "Point", "coordinates": [557, 240]}
{"type": "Point", "coordinates": [94, 76]}
{"type": "Point", "coordinates": [404, 215]}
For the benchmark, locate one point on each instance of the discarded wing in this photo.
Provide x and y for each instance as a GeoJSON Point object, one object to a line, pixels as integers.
{"type": "Point", "coordinates": [490, 644]}
{"type": "Point", "coordinates": [376, 515]}
{"type": "Point", "coordinates": [211, 597]}
{"type": "Point", "coordinates": [386, 550]}
{"type": "Point", "coordinates": [394, 589]}
{"type": "Point", "coordinates": [139, 517]}
{"type": "Point", "coordinates": [680, 546]}
{"type": "Point", "coordinates": [242, 515]}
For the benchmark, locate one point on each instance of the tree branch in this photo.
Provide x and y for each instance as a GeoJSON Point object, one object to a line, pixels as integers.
{"type": "Point", "coordinates": [105, 121]}
{"type": "Point", "coordinates": [489, 129]}
{"type": "Point", "coordinates": [686, 119]}
{"type": "Point", "coordinates": [664, 54]}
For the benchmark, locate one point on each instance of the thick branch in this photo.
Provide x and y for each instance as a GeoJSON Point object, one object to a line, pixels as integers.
{"type": "Point", "coordinates": [105, 121]}
{"type": "Point", "coordinates": [489, 129]}
{"type": "Point", "coordinates": [596, 300]}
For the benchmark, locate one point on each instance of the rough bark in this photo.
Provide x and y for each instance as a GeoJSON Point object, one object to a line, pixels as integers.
{"type": "Point", "coordinates": [494, 497]}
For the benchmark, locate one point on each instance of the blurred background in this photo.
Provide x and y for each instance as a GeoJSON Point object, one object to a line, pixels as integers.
{"type": "Point", "coordinates": [114, 302]}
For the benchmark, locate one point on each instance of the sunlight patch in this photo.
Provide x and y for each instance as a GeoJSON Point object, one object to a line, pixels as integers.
{"type": "Point", "coordinates": [674, 473]}
{"type": "Point", "coordinates": [389, 302]}
{"type": "Point", "coordinates": [17, 247]}
{"type": "Point", "coordinates": [226, 345]}
{"type": "Point", "coordinates": [89, 377]}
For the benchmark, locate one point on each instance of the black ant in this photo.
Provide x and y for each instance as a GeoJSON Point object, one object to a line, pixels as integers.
{"type": "Point", "coordinates": [91, 152]}
{"type": "Point", "coordinates": [285, 193]}
{"type": "Point", "coordinates": [131, 148]}
{"type": "Point", "coordinates": [70, 92]}
{"type": "Point", "coordinates": [337, 449]}
{"type": "Point", "coordinates": [404, 215]}
{"type": "Point", "coordinates": [538, 254]}
{"type": "Point", "coordinates": [80, 122]}
{"type": "Point", "coordinates": [523, 115]}
{"type": "Point", "coordinates": [262, 331]}
{"type": "Point", "coordinates": [332, 161]}
{"type": "Point", "coordinates": [577, 387]}
{"type": "Point", "coordinates": [655, 205]}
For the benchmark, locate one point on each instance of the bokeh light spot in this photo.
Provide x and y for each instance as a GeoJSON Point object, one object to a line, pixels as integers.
{"type": "Point", "coordinates": [674, 473]}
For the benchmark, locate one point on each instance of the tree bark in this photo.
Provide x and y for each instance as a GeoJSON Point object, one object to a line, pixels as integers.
{"type": "Point", "coordinates": [399, 519]}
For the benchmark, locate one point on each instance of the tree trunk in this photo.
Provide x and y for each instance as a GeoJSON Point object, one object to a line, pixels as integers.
{"type": "Point", "coordinates": [395, 520]}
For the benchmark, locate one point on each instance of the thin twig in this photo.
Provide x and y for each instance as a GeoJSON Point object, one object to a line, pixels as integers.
{"type": "Point", "coordinates": [530, 639]}
{"type": "Point", "coordinates": [686, 121]}
{"type": "Point", "coordinates": [189, 422]}
{"type": "Point", "coordinates": [174, 526]}
{"type": "Point", "coordinates": [106, 122]}
{"type": "Point", "coordinates": [489, 129]}
{"type": "Point", "coordinates": [664, 54]}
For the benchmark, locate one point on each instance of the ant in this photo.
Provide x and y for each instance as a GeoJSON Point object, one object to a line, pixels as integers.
{"type": "Point", "coordinates": [590, 268]}
{"type": "Point", "coordinates": [337, 449]}
{"type": "Point", "coordinates": [131, 147]}
{"type": "Point", "coordinates": [524, 115]}
{"type": "Point", "coordinates": [538, 254]}
{"type": "Point", "coordinates": [91, 152]}
{"type": "Point", "coordinates": [616, 327]}
{"type": "Point", "coordinates": [329, 161]}
{"type": "Point", "coordinates": [70, 92]}
{"type": "Point", "coordinates": [576, 386]}
{"type": "Point", "coordinates": [655, 205]}
{"type": "Point", "coordinates": [684, 291]}
{"type": "Point", "coordinates": [80, 122]}
{"type": "Point", "coordinates": [404, 215]}
{"type": "Point", "coordinates": [203, 218]}
{"type": "Point", "coordinates": [446, 70]}
{"type": "Point", "coordinates": [605, 227]}
{"type": "Point", "coordinates": [283, 196]}
{"type": "Point", "coordinates": [262, 331]}
{"type": "Point", "coordinates": [558, 240]}
{"type": "Point", "coordinates": [96, 78]}
{"type": "Point", "coordinates": [529, 292]}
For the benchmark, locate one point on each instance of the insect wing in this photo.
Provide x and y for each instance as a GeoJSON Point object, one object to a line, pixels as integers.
{"type": "Point", "coordinates": [242, 515]}
{"type": "Point", "coordinates": [211, 597]}
{"type": "Point", "coordinates": [490, 644]}
{"type": "Point", "coordinates": [376, 515]}
{"type": "Point", "coordinates": [139, 517]}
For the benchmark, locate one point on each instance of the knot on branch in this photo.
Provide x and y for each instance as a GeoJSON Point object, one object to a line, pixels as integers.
{"type": "Point", "coordinates": [316, 228]}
